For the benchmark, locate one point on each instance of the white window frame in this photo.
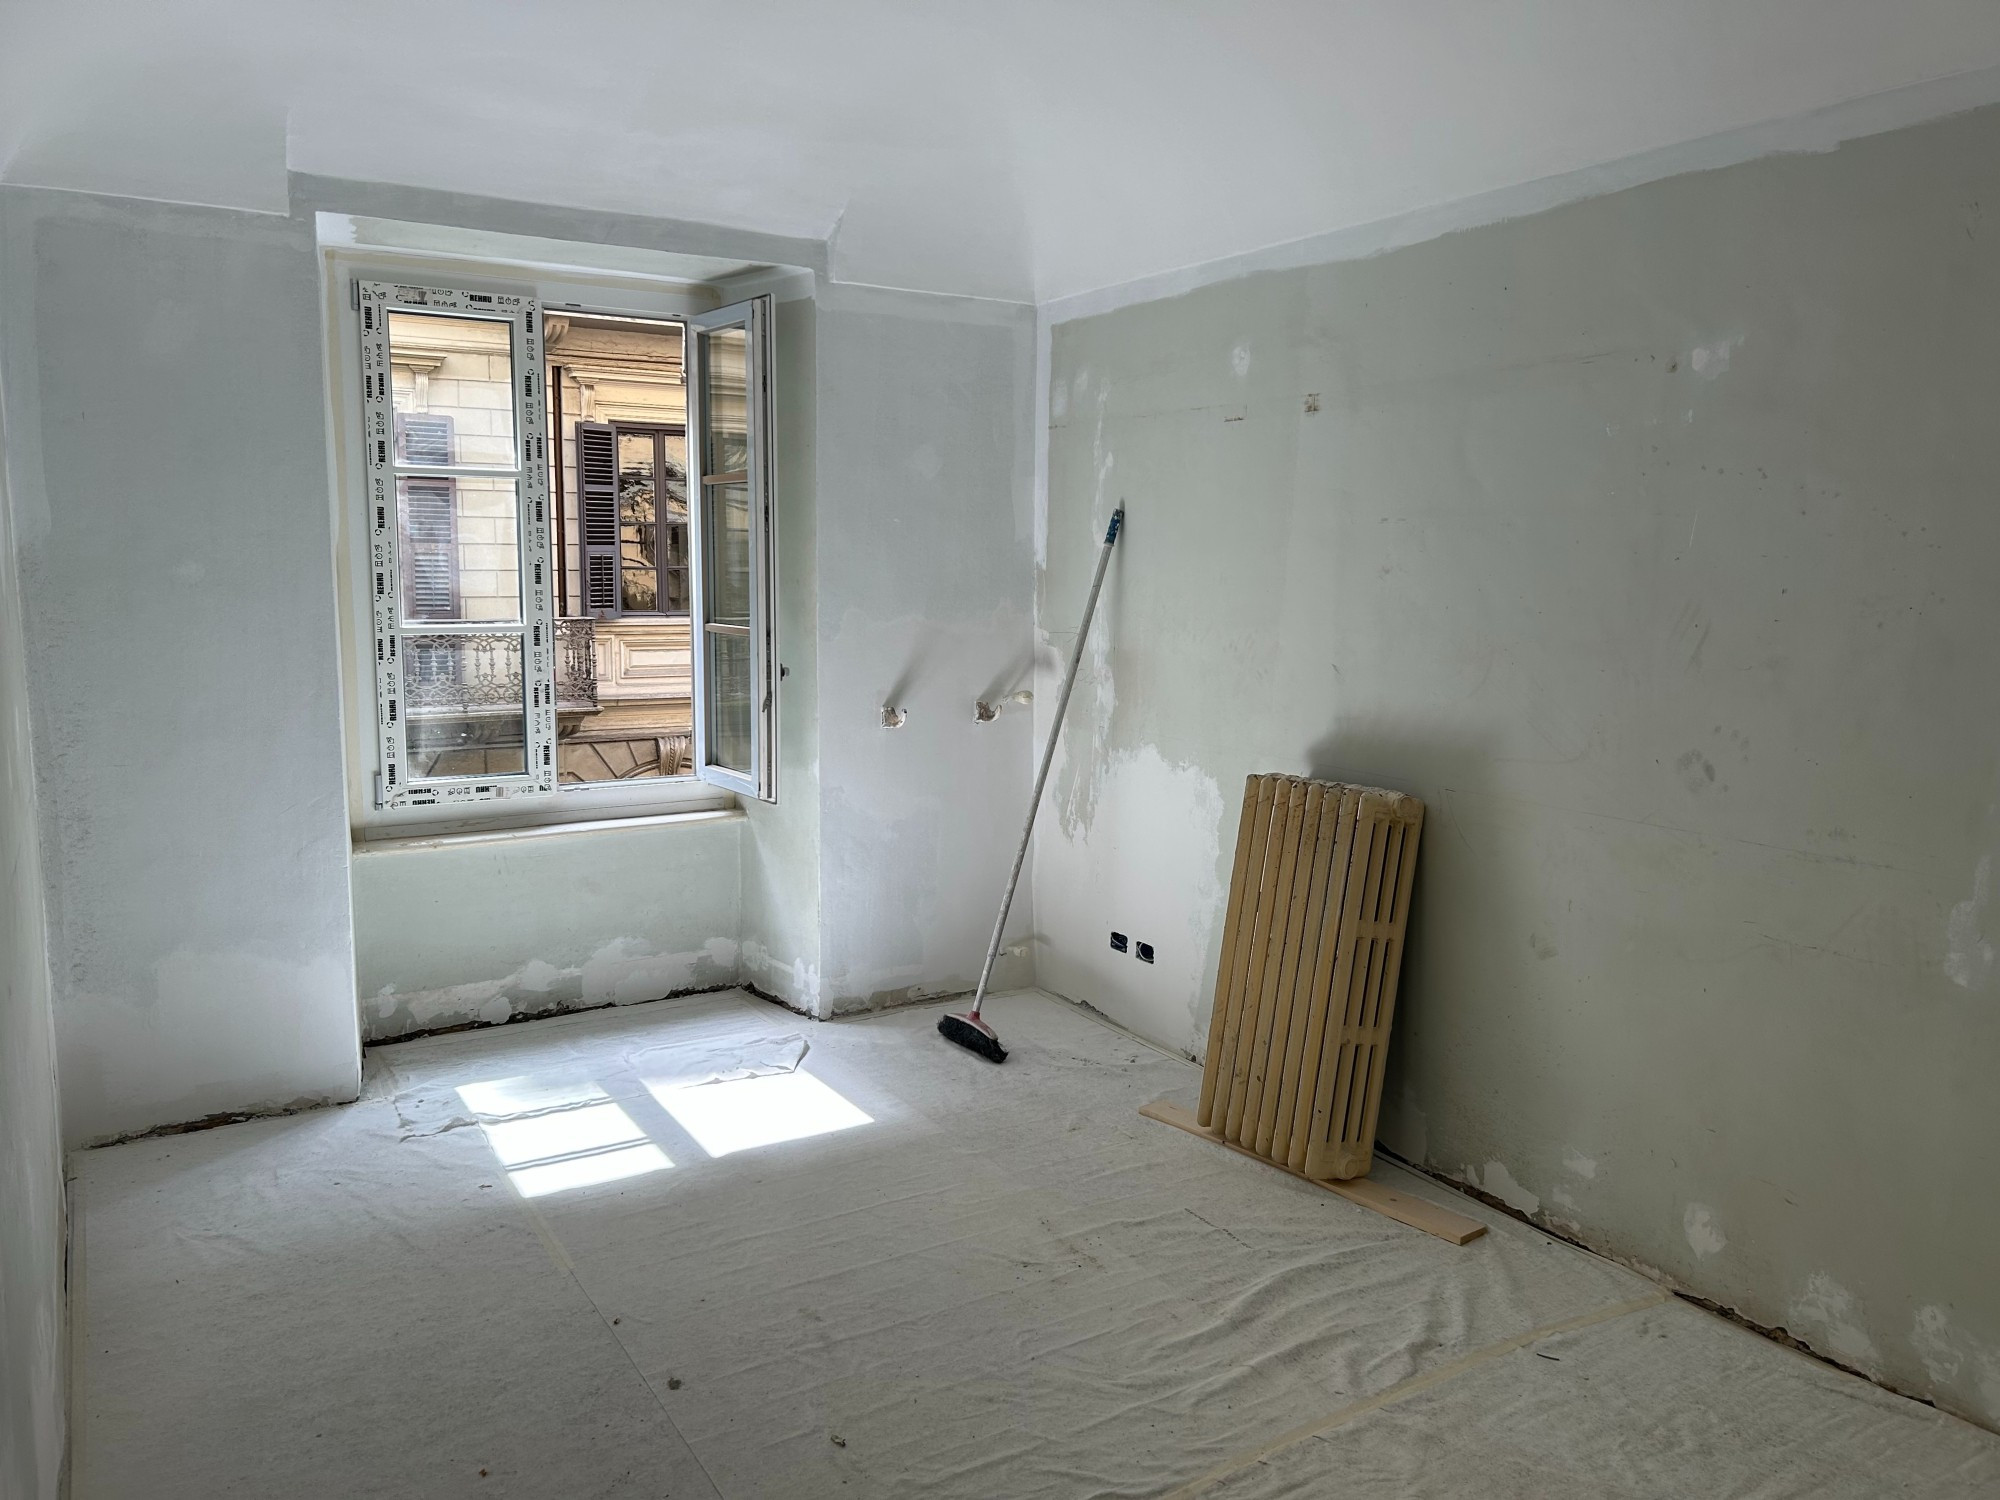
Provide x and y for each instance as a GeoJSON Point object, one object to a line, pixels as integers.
{"type": "Point", "coordinates": [396, 788]}
{"type": "Point", "coordinates": [512, 807]}
{"type": "Point", "coordinates": [759, 778]}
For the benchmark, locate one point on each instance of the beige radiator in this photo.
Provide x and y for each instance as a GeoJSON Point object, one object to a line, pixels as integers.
{"type": "Point", "coordinates": [1306, 990]}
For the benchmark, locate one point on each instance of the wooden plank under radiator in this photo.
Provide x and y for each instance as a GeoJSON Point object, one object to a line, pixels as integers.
{"type": "Point", "coordinates": [1404, 1208]}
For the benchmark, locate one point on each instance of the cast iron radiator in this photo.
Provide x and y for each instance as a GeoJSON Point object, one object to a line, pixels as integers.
{"type": "Point", "coordinates": [1306, 989]}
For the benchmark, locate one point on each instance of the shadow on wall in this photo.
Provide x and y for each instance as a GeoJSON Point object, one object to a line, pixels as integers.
{"type": "Point", "coordinates": [1019, 675]}
{"type": "Point", "coordinates": [1467, 889]}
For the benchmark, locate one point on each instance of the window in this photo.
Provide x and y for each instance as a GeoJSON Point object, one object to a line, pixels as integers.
{"type": "Point", "coordinates": [633, 486]}
{"type": "Point", "coordinates": [552, 608]}
{"type": "Point", "coordinates": [729, 415]}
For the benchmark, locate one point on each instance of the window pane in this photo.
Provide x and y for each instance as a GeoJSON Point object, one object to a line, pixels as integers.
{"type": "Point", "coordinates": [722, 402]}
{"type": "Point", "coordinates": [453, 386]}
{"type": "Point", "coordinates": [623, 700]}
{"type": "Point", "coordinates": [461, 549]}
{"type": "Point", "coordinates": [429, 518]}
{"type": "Point", "coordinates": [638, 522]}
{"type": "Point", "coordinates": [677, 477]}
{"type": "Point", "coordinates": [674, 575]}
{"type": "Point", "coordinates": [464, 705]}
{"type": "Point", "coordinates": [729, 553]}
{"type": "Point", "coordinates": [729, 700]}
{"type": "Point", "coordinates": [674, 529]}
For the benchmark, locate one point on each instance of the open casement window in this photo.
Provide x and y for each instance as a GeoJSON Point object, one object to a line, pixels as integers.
{"type": "Point", "coordinates": [480, 691]}
{"type": "Point", "coordinates": [456, 477]}
{"type": "Point", "coordinates": [729, 463]}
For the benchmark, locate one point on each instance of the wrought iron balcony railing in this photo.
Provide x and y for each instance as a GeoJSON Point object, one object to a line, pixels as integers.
{"type": "Point", "coordinates": [576, 665]}
{"type": "Point", "coordinates": [480, 673]}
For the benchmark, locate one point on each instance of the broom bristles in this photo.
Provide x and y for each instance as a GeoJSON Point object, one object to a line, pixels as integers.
{"type": "Point", "coordinates": [972, 1037]}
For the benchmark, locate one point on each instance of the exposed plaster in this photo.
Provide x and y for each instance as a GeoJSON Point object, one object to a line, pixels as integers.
{"type": "Point", "coordinates": [1357, 610]}
{"type": "Point", "coordinates": [624, 971]}
{"type": "Point", "coordinates": [1969, 952]}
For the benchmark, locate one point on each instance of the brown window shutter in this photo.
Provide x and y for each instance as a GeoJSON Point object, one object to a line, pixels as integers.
{"type": "Point", "coordinates": [597, 505]}
{"type": "Point", "coordinates": [422, 438]}
{"type": "Point", "coordinates": [430, 536]}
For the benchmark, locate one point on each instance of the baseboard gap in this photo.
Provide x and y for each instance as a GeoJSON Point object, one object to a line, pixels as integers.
{"type": "Point", "coordinates": [1777, 1335]}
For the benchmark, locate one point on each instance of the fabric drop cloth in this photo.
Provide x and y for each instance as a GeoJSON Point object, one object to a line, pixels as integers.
{"type": "Point", "coordinates": [932, 1278]}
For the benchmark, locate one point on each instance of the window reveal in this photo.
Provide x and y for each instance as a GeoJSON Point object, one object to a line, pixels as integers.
{"type": "Point", "coordinates": [474, 671]}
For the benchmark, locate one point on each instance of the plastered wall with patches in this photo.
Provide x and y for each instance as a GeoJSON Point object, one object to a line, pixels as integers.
{"type": "Point", "coordinates": [167, 433]}
{"type": "Point", "coordinates": [780, 910]}
{"type": "Point", "coordinates": [924, 578]}
{"type": "Point", "coordinates": [1651, 541]}
{"type": "Point", "coordinates": [482, 931]}
{"type": "Point", "coordinates": [219, 948]}
{"type": "Point", "coordinates": [33, 1312]}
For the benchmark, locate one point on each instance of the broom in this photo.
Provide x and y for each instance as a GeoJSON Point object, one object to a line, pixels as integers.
{"type": "Point", "coordinates": [968, 1030]}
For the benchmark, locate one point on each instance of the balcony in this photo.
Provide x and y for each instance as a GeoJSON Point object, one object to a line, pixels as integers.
{"type": "Point", "coordinates": [479, 674]}
{"type": "Point", "coordinates": [576, 666]}
{"type": "Point", "coordinates": [622, 689]}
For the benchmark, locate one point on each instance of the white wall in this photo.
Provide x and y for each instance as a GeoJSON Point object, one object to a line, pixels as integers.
{"type": "Point", "coordinates": [781, 898]}
{"type": "Point", "coordinates": [905, 573]}
{"type": "Point", "coordinates": [178, 579]}
{"type": "Point", "coordinates": [1651, 541]}
{"type": "Point", "coordinates": [480, 930]}
{"type": "Point", "coordinates": [32, 1229]}
{"type": "Point", "coordinates": [925, 577]}
{"type": "Point", "coordinates": [163, 388]}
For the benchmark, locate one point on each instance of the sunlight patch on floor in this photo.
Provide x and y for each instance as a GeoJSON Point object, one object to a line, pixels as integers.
{"type": "Point", "coordinates": [745, 1113]}
{"type": "Point", "coordinates": [554, 1136]}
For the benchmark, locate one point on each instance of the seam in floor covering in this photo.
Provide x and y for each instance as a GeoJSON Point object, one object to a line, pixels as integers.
{"type": "Point", "coordinates": [76, 1309]}
{"type": "Point", "coordinates": [1404, 1389]}
{"type": "Point", "coordinates": [559, 1255]}
{"type": "Point", "coordinates": [1092, 1013]}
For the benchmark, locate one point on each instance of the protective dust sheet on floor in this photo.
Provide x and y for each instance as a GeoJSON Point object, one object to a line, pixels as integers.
{"type": "Point", "coordinates": [705, 1247]}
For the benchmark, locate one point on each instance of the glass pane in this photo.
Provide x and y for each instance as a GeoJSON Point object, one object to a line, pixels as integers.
{"type": "Point", "coordinates": [674, 529]}
{"type": "Point", "coordinates": [638, 522]}
{"type": "Point", "coordinates": [729, 700]}
{"type": "Point", "coordinates": [464, 705]}
{"type": "Point", "coordinates": [453, 387]}
{"type": "Point", "coordinates": [674, 575]}
{"type": "Point", "coordinates": [624, 707]}
{"type": "Point", "coordinates": [729, 554]}
{"type": "Point", "coordinates": [723, 410]}
{"type": "Point", "coordinates": [461, 549]}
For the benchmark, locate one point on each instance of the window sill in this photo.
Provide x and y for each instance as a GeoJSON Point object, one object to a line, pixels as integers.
{"type": "Point", "coordinates": [385, 842]}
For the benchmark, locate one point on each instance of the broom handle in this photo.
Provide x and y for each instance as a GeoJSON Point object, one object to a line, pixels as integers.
{"type": "Point", "coordinates": [1048, 755]}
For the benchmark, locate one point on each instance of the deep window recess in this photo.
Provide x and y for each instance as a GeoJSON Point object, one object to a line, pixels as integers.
{"type": "Point", "coordinates": [621, 633]}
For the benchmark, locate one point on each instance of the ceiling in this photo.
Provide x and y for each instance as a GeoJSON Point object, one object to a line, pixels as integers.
{"type": "Point", "coordinates": [1024, 150]}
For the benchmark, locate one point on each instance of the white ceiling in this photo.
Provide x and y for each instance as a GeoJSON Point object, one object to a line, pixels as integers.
{"type": "Point", "coordinates": [1026, 149]}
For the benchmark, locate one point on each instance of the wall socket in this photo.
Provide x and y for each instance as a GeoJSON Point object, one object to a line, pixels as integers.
{"type": "Point", "coordinates": [1120, 943]}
